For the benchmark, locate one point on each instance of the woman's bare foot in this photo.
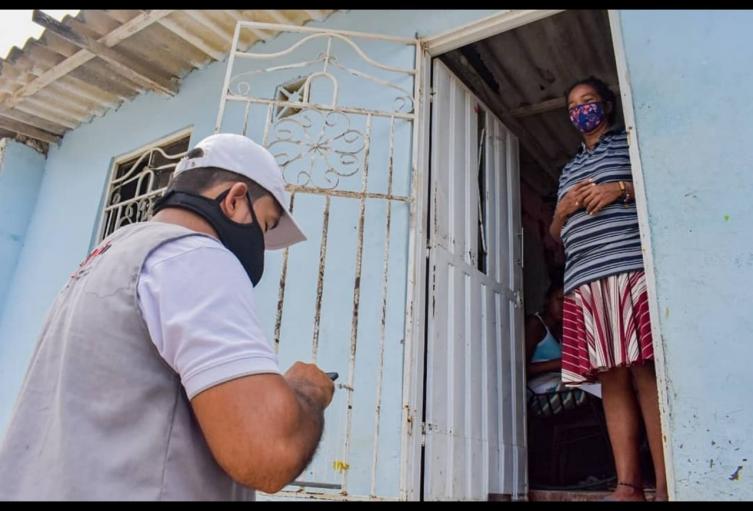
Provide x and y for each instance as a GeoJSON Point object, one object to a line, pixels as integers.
{"type": "Point", "coordinates": [624, 492]}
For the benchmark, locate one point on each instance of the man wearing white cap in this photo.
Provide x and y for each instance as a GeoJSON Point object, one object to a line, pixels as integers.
{"type": "Point", "coordinates": [152, 379]}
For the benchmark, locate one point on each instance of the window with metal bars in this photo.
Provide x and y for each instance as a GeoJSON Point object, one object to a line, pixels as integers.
{"type": "Point", "coordinates": [138, 180]}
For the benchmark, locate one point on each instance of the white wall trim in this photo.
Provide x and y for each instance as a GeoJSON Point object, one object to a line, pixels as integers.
{"type": "Point", "coordinates": [483, 28]}
{"type": "Point", "coordinates": [662, 380]}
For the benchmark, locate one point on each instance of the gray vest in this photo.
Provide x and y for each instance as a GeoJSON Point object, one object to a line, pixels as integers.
{"type": "Point", "coordinates": [100, 415]}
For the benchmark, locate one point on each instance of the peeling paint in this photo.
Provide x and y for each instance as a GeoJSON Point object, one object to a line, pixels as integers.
{"type": "Point", "coordinates": [383, 317]}
{"type": "Point", "coordinates": [357, 294]}
{"type": "Point", "coordinates": [346, 193]}
{"type": "Point", "coordinates": [320, 280]}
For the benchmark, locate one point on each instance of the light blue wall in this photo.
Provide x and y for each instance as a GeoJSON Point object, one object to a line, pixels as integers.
{"type": "Point", "coordinates": [63, 225]}
{"type": "Point", "coordinates": [691, 74]}
{"type": "Point", "coordinates": [21, 169]}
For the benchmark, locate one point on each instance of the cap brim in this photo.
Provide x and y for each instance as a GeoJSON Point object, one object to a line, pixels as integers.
{"type": "Point", "coordinates": [286, 233]}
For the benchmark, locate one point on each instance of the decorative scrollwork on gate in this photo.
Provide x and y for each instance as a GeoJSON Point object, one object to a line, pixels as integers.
{"type": "Point", "coordinates": [316, 148]}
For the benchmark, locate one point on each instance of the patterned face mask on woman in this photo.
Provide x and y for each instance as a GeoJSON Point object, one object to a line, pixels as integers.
{"type": "Point", "coordinates": [588, 116]}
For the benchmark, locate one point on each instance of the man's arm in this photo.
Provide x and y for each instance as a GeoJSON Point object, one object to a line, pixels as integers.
{"type": "Point", "coordinates": [198, 305]}
{"type": "Point", "coordinates": [263, 429]}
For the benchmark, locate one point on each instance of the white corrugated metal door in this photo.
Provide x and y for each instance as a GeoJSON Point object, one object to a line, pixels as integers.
{"type": "Point", "coordinates": [475, 390]}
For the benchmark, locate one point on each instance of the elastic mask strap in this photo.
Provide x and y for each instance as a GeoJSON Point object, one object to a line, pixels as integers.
{"type": "Point", "coordinates": [222, 196]}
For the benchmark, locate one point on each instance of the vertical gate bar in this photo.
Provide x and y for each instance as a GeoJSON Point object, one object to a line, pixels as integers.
{"type": "Point", "coordinates": [412, 376]}
{"type": "Point", "coordinates": [281, 292]}
{"type": "Point", "coordinates": [383, 318]}
{"type": "Point", "coordinates": [267, 125]}
{"type": "Point", "coordinates": [320, 280]}
{"type": "Point", "coordinates": [245, 117]}
{"type": "Point", "coordinates": [228, 75]}
{"type": "Point", "coordinates": [356, 301]}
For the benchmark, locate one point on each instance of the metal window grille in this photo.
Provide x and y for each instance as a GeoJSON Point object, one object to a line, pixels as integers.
{"type": "Point", "coordinates": [137, 181]}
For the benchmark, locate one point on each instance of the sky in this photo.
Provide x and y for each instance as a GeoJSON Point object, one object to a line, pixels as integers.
{"type": "Point", "coordinates": [16, 26]}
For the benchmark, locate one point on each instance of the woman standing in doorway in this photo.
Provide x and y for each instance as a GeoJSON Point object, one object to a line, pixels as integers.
{"type": "Point", "coordinates": [606, 325]}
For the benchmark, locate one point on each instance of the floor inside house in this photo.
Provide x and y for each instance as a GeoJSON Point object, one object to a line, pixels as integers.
{"type": "Point", "coordinates": [521, 75]}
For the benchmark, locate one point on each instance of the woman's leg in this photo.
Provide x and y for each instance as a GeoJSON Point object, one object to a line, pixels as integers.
{"type": "Point", "coordinates": [645, 383]}
{"type": "Point", "coordinates": [623, 423]}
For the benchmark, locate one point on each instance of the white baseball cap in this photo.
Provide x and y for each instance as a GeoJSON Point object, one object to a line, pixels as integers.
{"type": "Point", "coordinates": [240, 154]}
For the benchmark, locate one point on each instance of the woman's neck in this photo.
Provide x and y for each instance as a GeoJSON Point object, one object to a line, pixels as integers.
{"type": "Point", "coordinates": [591, 139]}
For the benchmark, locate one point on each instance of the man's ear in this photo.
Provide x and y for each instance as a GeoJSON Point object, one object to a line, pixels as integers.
{"type": "Point", "coordinates": [235, 197]}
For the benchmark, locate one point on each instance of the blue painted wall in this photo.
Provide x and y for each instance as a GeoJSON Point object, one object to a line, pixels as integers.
{"type": "Point", "coordinates": [63, 229]}
{"type": "Point", "coordinates": [691, 78]}
{"type": "Point", "coordinates": [689, 73]}
{"type": "Point", "coordinates": [21, 169]}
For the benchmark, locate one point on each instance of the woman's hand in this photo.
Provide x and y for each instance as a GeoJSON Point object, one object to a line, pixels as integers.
{"type": "Point", "coordinates": [569, 204]}
{"type": "Point", "coordinates": [571, 201]}
{"type": "Point", "coordinates": [596, 197]}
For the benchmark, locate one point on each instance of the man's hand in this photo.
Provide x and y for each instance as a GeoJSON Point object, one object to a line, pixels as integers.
{"type": "Point", "coordinates": [309, 380]}
{"type": "Point", "coordinates": [263, 429]}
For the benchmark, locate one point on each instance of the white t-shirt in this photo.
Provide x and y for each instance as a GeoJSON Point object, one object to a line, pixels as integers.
{"type": "Point", "coordinates": [198, 304]}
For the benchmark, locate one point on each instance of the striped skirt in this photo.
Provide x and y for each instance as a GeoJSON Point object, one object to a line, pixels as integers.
{"type": "Point", "coordinates": [605, 325]}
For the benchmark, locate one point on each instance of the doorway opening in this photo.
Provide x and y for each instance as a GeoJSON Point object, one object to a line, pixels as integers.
{"type": "Point", "coordinates": [518, 78]}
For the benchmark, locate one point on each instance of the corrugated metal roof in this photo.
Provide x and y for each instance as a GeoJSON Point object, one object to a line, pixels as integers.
{"type": "Point", "coordinates": [525, 72]}
{"type": "Point", "coordinates": [54, 83]}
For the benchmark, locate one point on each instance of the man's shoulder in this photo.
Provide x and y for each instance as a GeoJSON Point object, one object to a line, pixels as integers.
{"type": "Point", "coordinates": [187, 246]}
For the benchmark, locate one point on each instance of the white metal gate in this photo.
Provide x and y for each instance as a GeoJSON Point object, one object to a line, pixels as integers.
{"type": "Point", "coordinates": [475, 390]}
{"type": "Point", "coordinates": [337, 110]}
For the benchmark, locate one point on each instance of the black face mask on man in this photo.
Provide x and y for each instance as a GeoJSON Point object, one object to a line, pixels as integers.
{"type": "Point", "coordinates": [245, 241]}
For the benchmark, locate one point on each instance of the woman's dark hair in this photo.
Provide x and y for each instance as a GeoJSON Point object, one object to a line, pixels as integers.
{"type": "Point", "coordinates": [603, 90]}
